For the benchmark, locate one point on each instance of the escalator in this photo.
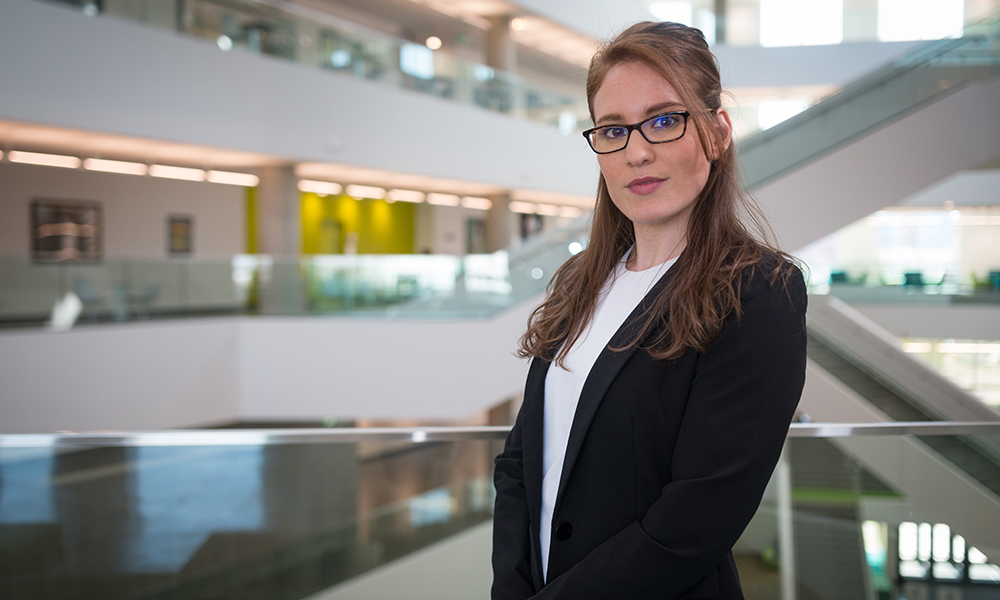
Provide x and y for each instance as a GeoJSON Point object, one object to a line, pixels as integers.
{"type": "Point", "coordinates": [856, 373]}
{"type": "Point", "coordinates": [975, 461]}
{"type": "Point", "coordinates": [886, 136]}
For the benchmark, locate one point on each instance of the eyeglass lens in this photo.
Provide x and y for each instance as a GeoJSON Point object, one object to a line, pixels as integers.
{"type": "Point", "coordinates": [658, 129]}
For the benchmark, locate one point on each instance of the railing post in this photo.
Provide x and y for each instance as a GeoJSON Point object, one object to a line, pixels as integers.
{"type": "Point", "coordinates": [786, 537]}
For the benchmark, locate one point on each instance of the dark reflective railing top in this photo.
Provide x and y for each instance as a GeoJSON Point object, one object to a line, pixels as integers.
{"type": "Point", "coordinates": [248, 437]}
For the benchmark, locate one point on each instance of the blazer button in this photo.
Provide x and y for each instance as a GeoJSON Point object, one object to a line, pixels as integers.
{"type": "Point", "coordinates": [563, 531]}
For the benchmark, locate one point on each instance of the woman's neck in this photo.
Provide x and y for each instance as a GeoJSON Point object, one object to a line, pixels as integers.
{"type": "Point", "coordinates": [654, 248]}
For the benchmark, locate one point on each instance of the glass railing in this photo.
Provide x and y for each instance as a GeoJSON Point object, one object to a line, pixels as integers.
{"type": "Point", "coordinates": [412, 285]}
{"type": "Point", "coordinates": [286, 513]}
{"type": "Point", "coordinates": [229, 513]}
{"type": "Point", "coordinates": [978, 458]}
{"type": "Point", "coordinates": [933, 70]}
{"type": "Point", "coordinates": [891, 286]}
{"type": "Point", "coordinates": [873, 366]}
{"type": "Point", "coordinates": [295, 32]}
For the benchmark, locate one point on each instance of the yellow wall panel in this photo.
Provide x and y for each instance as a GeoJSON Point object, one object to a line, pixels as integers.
{"type": "Point", "coordinates": [380, 227]}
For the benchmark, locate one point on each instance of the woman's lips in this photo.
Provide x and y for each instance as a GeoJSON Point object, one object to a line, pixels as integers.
{"type": "Point", "coordinates": [645, 185]}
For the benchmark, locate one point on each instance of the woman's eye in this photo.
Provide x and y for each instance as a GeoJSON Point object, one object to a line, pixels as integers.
{"type": "Point", "coordinates": [613, 133]}
{"type": "Point", "coordinates": [666, 122]}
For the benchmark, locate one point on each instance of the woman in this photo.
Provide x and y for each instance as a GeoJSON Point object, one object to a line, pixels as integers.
{"type": "Point", "coordinates": [667, 358]}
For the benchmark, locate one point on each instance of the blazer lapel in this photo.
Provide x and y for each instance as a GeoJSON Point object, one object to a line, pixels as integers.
{"type": "Point", "coordinates": [604, 371]}
{"type": "Point", "coordinates": [532, 444]}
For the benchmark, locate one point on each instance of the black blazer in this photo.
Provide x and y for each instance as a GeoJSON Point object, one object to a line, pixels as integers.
{"type": "Point", "coordinates": [666, 462]}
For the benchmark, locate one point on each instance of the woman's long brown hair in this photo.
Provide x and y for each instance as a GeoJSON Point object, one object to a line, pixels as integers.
{"type": "Point", "coordinates": [721, 250]}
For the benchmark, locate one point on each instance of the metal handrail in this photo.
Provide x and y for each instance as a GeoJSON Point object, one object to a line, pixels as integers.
{"type": "Point", "coordinates": [268, 437]}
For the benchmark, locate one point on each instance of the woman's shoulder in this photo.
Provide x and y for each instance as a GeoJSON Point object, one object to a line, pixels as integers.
{"type": "Point", "coordinates": [775, 280]}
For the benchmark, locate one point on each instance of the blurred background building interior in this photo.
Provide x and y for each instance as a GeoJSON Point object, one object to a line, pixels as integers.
{"type": "Point", "coordinates": [224, 218]}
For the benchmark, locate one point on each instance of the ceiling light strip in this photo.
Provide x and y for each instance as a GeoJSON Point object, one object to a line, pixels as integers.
{"type": "Point", "coordinates": [115, 166]}
{"type": "Point", "coordinates": [365, 191]}
{"type": "Point", "coordinates": [476, 203]}
{"type": "Point", "coordinates": [525, 208]}
{"type": "Point", "coordinates": [231, 178]}
{"type": "Point", "coordinates": [182, 173]}
{"type": "Point", "coordinates": [443, 199]}
{"type": "Point", "coordinates": [44, 160]}
{"type": "Point", "coordinates": [397, 195]}
{"type": "Point", "coordinates": [322, 188]}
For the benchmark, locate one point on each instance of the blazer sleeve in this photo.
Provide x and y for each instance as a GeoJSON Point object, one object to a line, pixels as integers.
{"type": "Point", "coordinates": [742, 397]}
{"type": "Point", "coordinates": [511, 523]}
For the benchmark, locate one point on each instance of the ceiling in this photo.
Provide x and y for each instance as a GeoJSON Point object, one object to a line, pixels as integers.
{"type": "Point", "coordinates": [88, 144]}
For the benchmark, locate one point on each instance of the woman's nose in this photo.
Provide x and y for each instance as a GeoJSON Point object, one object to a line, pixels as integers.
{"type": "Point", "coordinates": [637, 151]}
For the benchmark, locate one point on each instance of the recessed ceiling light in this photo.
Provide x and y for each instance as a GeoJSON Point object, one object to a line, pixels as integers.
{"type": "Point", "coordinates": [184, 173]}
{"type": "Point", "coordinates": [230, 178]}
{"type": "Point", "coordinates": [405, 196]}
{"type": "Point", "coordinates": [522, 207]}
{"type": "Point", "coordinates": [114, 166]}
{"type": "Point", "coordinates": [366, 191]}
{"type": "Point", "coordinates": [323, 188]}
{"type": "Point", "coordinates": [443, 199]}
{"type": "Point", "coordinates": [476, 203]}
{"type": "Point", "coordinates": [44, 160]}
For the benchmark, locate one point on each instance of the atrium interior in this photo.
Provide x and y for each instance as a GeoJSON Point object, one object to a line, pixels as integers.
{"type": "Point", "coordinates": [264, 224]}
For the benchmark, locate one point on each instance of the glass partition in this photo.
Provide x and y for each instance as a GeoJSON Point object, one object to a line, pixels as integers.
{"type": "Point", "coordinates": [288, 513]}
{"type": "Point", "coordinates": [412, 285]}
{"type": "Point", "coordinates": [206, 519]}
{"type": "Point", "coordinates": [296, 32]}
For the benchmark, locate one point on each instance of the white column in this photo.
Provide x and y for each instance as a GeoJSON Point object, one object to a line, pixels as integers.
{"type": "Point", "coordinates": [719, 7]}
{"type": "Point", "coordinates": [500, 50]}
{"type": "Point", "coordinates": [279, 227]}
{"type": "Point", "coordinates": [279, 234]}
{"type": "Point", "coordinates": [501, 224]}
{"type": "Point", "coordinates": [501, 54]}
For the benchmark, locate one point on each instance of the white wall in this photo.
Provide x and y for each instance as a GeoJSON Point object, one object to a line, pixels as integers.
{"type": "Point", "coordinates": [309, 368]}
{"type": "Point", "coordinates": [137, 376]}
{"type": "Point", "coordinates": [449, 228]}
{"type": "Point", "coordinates": [104, 74]}
{"type": "Point", "coordinates": [134, 210]}
{"type": "Point", "coordinates": [163, 374]}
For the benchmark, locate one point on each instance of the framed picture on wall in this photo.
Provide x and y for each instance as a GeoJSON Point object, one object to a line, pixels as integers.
{"type": "Point", "coordinates": [179, 234]}
{"type": "Point", "coordinates": [66, 230]}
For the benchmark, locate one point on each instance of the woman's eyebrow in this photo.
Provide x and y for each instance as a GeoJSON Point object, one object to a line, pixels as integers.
{"type": "Point", "coordinates": [652, 110]}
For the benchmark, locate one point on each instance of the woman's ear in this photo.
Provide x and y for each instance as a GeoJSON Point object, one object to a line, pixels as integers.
{"type": "Point", "coordinates": [726, 129]}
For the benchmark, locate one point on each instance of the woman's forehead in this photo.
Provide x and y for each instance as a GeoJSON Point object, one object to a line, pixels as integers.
{"type": "Point", "coordinates": [633, 88]}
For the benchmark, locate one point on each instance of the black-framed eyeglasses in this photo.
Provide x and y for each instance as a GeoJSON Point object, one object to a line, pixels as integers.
{"type": "Point", "coordinates": [658, 129]}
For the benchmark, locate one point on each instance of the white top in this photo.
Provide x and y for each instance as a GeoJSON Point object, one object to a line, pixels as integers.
{"type": "Point", "coordinates": [619, 297]}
